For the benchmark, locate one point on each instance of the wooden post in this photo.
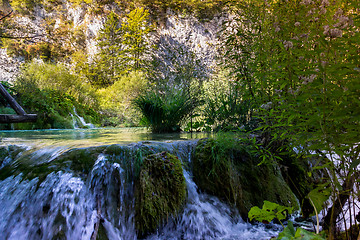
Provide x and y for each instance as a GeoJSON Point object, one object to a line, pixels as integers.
{"type": "Point", "coordinates": [13, 118]}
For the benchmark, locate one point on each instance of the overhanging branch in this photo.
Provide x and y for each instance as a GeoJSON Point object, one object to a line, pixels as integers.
{"type": "Point", "coordinates": [3, 17]}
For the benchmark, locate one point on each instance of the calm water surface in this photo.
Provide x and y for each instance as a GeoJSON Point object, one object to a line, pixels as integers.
{"type": "Point", "coordinates": [90, 137]}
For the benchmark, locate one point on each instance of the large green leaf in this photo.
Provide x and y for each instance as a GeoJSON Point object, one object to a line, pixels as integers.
{"type": "Point", "coordinates": [289, 233]}
{"type": "Point", "coordinates": [319, 195]}
{"type": "Point", "coordinates": [269, 212]}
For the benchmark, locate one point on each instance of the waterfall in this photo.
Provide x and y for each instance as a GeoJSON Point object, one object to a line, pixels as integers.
{"type": "Point", "coordinates": [63, 201]}
{"type": "Point", "coordinates": [79, 122]}
{"type": "Point", "coordinates": [206, 217]}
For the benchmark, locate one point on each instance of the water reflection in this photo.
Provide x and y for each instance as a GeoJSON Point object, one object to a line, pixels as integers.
{"type": "Point", "coordinates": [90, 137]}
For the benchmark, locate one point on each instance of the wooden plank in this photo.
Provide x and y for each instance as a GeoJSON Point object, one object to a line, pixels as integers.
{"type": "Point", "coordinates": [18, 109]}
{"type": "Point", "coordinates": [11, 118]}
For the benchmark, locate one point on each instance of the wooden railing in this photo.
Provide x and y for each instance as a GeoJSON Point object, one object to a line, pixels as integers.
{"type": "Point", "coordinates": [21, 115]}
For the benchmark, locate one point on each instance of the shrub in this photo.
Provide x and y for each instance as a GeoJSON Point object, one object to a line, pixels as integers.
{"type": "Point", "coordinates": [165, 111]}
{"type": "Point", "coordinates": [53, 92]}
{"type": "Point", "coordinates": [115, 100]}
{"type": "Point", "coordinates": [303, 73]}
{"type": "Point", "coordinates": [224, 108]}
{"type": "Point", "coordinates": [56, 77]}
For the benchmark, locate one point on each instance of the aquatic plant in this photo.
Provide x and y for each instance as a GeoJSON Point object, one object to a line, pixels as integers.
{"type": "Point", "coordinates": [165, 111]}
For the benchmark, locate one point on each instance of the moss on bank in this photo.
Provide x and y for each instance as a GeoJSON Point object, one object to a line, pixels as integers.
{"type": "Point", "coordinates": [79, 160]}
{"type": "Point", "coordinates": [234, 175]}
{"type": "Point", "coordinates": [160, 191]}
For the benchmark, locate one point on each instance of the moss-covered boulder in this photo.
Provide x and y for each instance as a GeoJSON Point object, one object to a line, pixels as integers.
{"type": "Point", "coordinates": [160, 191]}
{"type": "Point", "coordinates": [11, 151]}
{"type": "Point", "coordinates": [235, 176]}
{"type": "Point", "coordinates": [79, 160]}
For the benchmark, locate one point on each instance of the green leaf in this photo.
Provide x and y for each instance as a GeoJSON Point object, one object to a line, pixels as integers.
{"type": "Point", "coordinates": [306, 235]}
{"type": "Point", "coordinates": [354, 164]}
{"type": "Point", "coordinates": [319, 195]}
{"type": "Point", "coordinates": [269, 212]}
{"type": "Point", "coordinates": [289, 233]}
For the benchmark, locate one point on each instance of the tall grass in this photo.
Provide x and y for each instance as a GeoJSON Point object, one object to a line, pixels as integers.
{"type": "Point", "coordinates": [165, 111]}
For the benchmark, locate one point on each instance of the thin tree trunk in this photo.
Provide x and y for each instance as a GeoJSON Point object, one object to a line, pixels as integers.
{"type": "Point", "coordinates": [336, 209]}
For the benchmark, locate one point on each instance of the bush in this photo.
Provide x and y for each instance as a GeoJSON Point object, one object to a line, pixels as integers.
{"type": "Point", "coordinates": [53, 93]}
{"type": "Point", "coordinates": [53, 109]}
{"type": "Point", "coordinates": [57, 77]}
{"type": "Point", "coordinates": [303, 73]}
{"type": "Point", "coordinates": [115, 100]}
{"type": "Point", "coordinates": [224, 108]}
{"type": "Point", "coordinates": [165, 111]}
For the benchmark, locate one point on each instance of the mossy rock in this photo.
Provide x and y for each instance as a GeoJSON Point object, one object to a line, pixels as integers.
{"type": "Point", "coordinates": [236, 177]}
{"type": "Point", "coordinates": [160, 191]}
{"type": "Point", "coordinates": [13, 152]}
{"type": "Point", "coordinates": [16, 150]}
{"type": "Point", "coordinates": [4, 152]}
{"type": "Point", "coordinates": [79, 160]}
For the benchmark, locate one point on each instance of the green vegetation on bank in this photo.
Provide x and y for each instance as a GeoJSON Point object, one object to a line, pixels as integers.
{"type": "Point", "coordinates": [165, 111]}
{"type": "Point", "coordinates": [298, 63]}
{"type": "Point", "coordinates": [54, 94]}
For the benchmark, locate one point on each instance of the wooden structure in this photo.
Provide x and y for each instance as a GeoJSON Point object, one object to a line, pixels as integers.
{"type": "Point", "coordinates": [21, 115]}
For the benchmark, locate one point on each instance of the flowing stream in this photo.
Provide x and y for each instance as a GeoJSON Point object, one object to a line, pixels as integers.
{"type": "Point", "coordinates": [63, 202]}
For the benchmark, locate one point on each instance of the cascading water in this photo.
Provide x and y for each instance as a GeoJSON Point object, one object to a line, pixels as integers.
{"type": "Point", "coordinates": [54, 199]}
{"type": "Point", "coordinates": [79, 122]}
{"type": "Point", "coordinates": [206, 217]}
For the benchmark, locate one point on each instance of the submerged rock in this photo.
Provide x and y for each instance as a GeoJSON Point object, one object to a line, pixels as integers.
{"type": "Point", "coordinates": [235, 176]}
{"type": "Point", "coordinates": [160, 191]}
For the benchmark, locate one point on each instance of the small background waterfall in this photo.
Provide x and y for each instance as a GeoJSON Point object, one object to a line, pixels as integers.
{"type": "Point", "coordinates": [79, 122]}
{"type": "Point", "coordinates": [64, 201]}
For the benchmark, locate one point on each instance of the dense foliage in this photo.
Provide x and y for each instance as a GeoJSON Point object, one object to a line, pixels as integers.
{"type": "Point", "coordinates": [298, 62]}
{"type": "Point", "coordinates": [116, 100]}
{"type": "Point", "coordinates": [54, 94]}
